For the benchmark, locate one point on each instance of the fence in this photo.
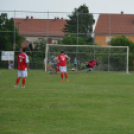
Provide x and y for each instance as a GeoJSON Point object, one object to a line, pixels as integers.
{"type": "Point", "coordinates": [36, 26]}
{"type": "Point", "coordinates": [107, 61]}
{"type": "Point", "coordinates": [36, 60]}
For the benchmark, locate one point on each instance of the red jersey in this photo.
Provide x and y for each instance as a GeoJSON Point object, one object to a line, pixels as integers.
{"type": "Point", "coordinates": [62, 59]}
{"type": "Point", "coordinates": [92, 63]}
{"type": "Point", "coordinates": [22, 61]}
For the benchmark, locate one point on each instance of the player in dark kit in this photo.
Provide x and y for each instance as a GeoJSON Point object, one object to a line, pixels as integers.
{"type": "Point", "coordinates": [90, 65]}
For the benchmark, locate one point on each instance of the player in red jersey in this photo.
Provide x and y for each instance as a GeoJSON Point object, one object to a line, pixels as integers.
{"type": "Point", "coordinates": [90, 65]}
{"type": "Point", "coordinates": [23, 66]}
{"type": "Point", "coordinates": [63, 59]}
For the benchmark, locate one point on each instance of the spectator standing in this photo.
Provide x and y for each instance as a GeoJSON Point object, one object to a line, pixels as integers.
{"type": "Point", "coordinates": [75, 64]}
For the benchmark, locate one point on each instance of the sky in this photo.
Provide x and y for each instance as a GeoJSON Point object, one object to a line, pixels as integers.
{"type": "Point", "coordinates": [95, 6]}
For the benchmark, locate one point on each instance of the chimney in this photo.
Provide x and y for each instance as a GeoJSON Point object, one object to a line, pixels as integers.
{"type": "Point", "coordinates": [122, 12]}
{"type": "Point", "coordinates": [55, 19]}
{"type": "Point", "coordinates": [31, 17]}
{"type": "Point", "coordinates": [27, 18]}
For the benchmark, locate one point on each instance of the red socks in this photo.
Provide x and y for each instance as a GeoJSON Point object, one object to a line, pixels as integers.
{"type": "Point", "coordinates": [23, 81]}
{"type": "Point", "coordinates": [66, 76]}
{"type": "Point", "coordinates": [62, 75]}
{"type": "Point", "coordinates": [17, 81]}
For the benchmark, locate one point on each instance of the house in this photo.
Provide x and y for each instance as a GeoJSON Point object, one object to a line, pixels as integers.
{"type": "Point", "coordinates": [38, 29]}
{"type": "Point", "coordinates": [113, 25]}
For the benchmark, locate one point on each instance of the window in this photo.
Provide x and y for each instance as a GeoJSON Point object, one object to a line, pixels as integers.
{"type": "Point", "coordinates": [54, 41]}
{"type": "Point", "coordinates": [108, 39]}
{"type": "Point", "coordinates": [40, 39]}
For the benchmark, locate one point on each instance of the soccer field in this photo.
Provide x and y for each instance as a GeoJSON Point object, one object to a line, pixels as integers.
{"type": "Point", "coordinates": [90, 103]}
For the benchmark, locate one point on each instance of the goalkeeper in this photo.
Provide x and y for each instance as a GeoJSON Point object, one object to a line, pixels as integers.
{"type": "Point", "coordinates": [90, 65]}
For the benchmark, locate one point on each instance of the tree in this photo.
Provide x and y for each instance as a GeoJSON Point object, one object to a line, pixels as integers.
{"type": "Point", "coordinates": [72, 40]}
{"type": "Point", "coordinates": [40, 46]}
{"type": "Point", "coordinates": [122, 41]}
{"type": "Point", "coordinates": [7, 34]}
{"type": "Point", "coordinates": [84, 20]}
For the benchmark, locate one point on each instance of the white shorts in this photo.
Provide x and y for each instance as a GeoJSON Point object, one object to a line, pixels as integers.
{"type": "Point", "coordinates": [63, 68]}
{"type": "Point", "coordinates": [22, 73]}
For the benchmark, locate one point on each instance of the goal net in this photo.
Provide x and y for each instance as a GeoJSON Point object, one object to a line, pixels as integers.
{"type": "Point", "coordinates": [109, 58]}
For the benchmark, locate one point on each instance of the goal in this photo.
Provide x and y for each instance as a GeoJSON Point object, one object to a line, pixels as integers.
{"type": "Point", "coordinates": [109, 58]}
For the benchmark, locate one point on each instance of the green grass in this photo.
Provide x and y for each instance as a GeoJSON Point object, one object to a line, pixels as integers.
{"type": "Point", "coordinates": [90, 103]}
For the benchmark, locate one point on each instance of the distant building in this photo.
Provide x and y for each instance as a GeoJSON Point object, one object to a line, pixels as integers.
{"type": "Point", "coordinates": [38, 29]}
{"type": "Point", "coordinates": [113, 25]}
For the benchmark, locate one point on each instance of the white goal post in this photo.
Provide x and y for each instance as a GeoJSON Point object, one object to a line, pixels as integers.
{"type": "Point", "coordinates": [110, 58]}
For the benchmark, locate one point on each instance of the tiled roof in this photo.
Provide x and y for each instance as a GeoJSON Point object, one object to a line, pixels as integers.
{"type": "Point", "coordinates": [115, 24]}
{"type": "Point", "coordinates": [40, 27]}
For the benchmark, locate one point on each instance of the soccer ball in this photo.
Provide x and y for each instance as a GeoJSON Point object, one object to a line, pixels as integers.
{"type": "Point", "coordinates": [73, 69]}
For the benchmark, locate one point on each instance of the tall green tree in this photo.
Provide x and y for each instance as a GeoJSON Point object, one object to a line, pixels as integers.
{"type": "Point", "coordinates": [81, 22]}
{"type": "Point", "coordinates": [7, 36]}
